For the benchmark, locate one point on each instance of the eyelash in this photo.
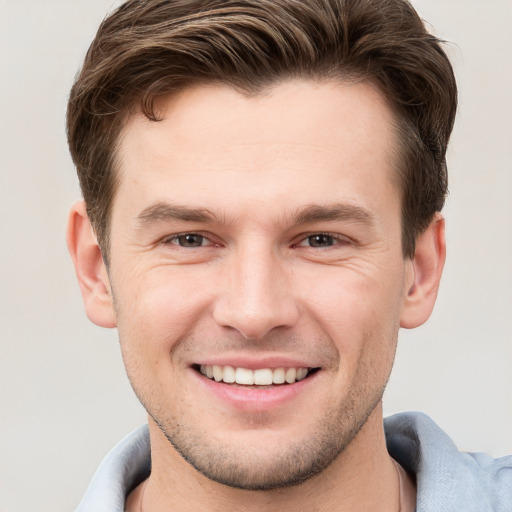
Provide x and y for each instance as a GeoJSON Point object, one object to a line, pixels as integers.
{"type": "Point", "coordinates": [174, 240]}
{"type": "Point", "coordinates": [336, 239]}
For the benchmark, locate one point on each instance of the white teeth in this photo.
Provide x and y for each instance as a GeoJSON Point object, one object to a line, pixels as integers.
{"type": "Point", "coordinates": [263, 377]}
{"type": "Point", "coordinates": [218, 373]}
{"type": "Point", "coordinates": [244, 376]}
{"type": "Point", "coordinates": [290, 375]}
{"type": "Point", "coordinates": [229, 374]}
{"type": "Point", "coordinates": [259, 377]}
{"type": "Point", "coordinates": [278, 376]}
{"type": "Point", "coordinates": [301, 373]}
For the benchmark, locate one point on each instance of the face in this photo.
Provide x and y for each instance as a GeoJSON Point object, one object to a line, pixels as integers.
{"type": "Point", "coordinates": [257, 274]}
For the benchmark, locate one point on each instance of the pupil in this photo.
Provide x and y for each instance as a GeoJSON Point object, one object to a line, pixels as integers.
{"type": "Point", "coordinates": [191, 240]}
{"type": "Point", "coordinates": [320, 240]}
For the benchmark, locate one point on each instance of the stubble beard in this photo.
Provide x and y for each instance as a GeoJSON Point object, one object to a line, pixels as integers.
{"type": "Point", "coordinates": [256, 468]}
{"type": "Point", "coordinates": [248, 468]}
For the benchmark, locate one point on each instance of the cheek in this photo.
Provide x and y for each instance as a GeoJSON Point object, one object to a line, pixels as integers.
{"type": "Point", "coordinates": [154, 311]}
{"type": "Point", "coordinates": [359, 312]}
{"type": "Point", "coordinates": [353, 297]}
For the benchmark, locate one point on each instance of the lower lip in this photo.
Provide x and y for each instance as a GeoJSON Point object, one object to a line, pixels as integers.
{"type": "Point", "coordinates": [249, 398]}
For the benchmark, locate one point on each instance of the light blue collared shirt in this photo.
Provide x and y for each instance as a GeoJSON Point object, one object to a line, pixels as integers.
{"type": "Point", "coordinates": [447, 480]}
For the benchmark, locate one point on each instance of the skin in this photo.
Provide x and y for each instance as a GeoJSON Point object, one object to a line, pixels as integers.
{"type": "Point", "coordinates": [257, 180]}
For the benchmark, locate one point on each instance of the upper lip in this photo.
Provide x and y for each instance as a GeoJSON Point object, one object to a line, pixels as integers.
{"type": "Point", "coordinates": [253, 363]}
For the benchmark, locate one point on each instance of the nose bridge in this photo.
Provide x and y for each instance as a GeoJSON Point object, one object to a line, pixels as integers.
{"type": "Point", "coordinates": [256, 296]}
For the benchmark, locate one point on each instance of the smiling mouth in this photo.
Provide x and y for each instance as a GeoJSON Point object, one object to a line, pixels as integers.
{"type": "Point", "coordinates": [259, 377]}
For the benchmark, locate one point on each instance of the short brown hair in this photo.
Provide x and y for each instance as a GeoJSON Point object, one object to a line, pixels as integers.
{"type": "Point", "coordinates": [151, 47]}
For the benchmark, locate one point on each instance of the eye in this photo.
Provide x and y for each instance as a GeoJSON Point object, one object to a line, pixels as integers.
{"type": "Point", "coordinates": [321, 240]}
{"type": "Point", "coordinates": [189, 240]}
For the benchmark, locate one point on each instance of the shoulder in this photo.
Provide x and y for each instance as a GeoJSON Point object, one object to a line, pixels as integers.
{"type": "Point", "coordinates": [448, 479]}
{"type": "Point", "coordinates": [125, 466]}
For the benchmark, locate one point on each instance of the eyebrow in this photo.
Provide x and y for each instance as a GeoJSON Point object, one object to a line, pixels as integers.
{"type": "Point", "coordinates": [164, 212]}
{"type": "Point", "coordinates": [161, 212]}
{"type": "Point", "coordinates": [317, 213]}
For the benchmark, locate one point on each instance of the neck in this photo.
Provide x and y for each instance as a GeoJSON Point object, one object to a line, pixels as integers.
{"type": "Point", "coordinates": [362, 478]}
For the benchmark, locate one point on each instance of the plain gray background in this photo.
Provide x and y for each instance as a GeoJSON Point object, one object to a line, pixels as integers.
{"type": "Point", "coordinates": [64, 398]}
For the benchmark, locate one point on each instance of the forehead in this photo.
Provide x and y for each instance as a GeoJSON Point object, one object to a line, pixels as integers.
{"type": "Point", "coordinates": [301, 140]}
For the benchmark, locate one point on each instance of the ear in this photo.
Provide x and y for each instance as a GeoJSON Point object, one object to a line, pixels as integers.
{"type": "Point", "coordinates": [90, 268]}
{"type": "Point", "coordinates": [426, 268]}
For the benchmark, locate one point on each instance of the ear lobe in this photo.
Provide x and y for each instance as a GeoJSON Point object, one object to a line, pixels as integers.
{"type": "Point", "coordinates": [89, 267]}
{"type": "Point", "coordinates": [427, 267]}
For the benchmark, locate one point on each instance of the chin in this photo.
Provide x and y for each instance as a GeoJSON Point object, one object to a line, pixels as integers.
{"type": "Point", "coordinates": [259, 460]}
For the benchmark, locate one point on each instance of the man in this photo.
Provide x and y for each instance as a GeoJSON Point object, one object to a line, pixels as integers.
{"type": "Point", "coordinates": [262, 184]}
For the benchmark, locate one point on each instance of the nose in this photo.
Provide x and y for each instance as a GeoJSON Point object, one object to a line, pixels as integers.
{"type": "Point", "coordinates": [255, 296]}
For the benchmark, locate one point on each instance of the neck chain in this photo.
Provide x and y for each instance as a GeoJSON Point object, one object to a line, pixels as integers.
{"type": "Point", "coordinates": [144, 490]}
{"type": "Point", "coordinates": [399, 474]}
